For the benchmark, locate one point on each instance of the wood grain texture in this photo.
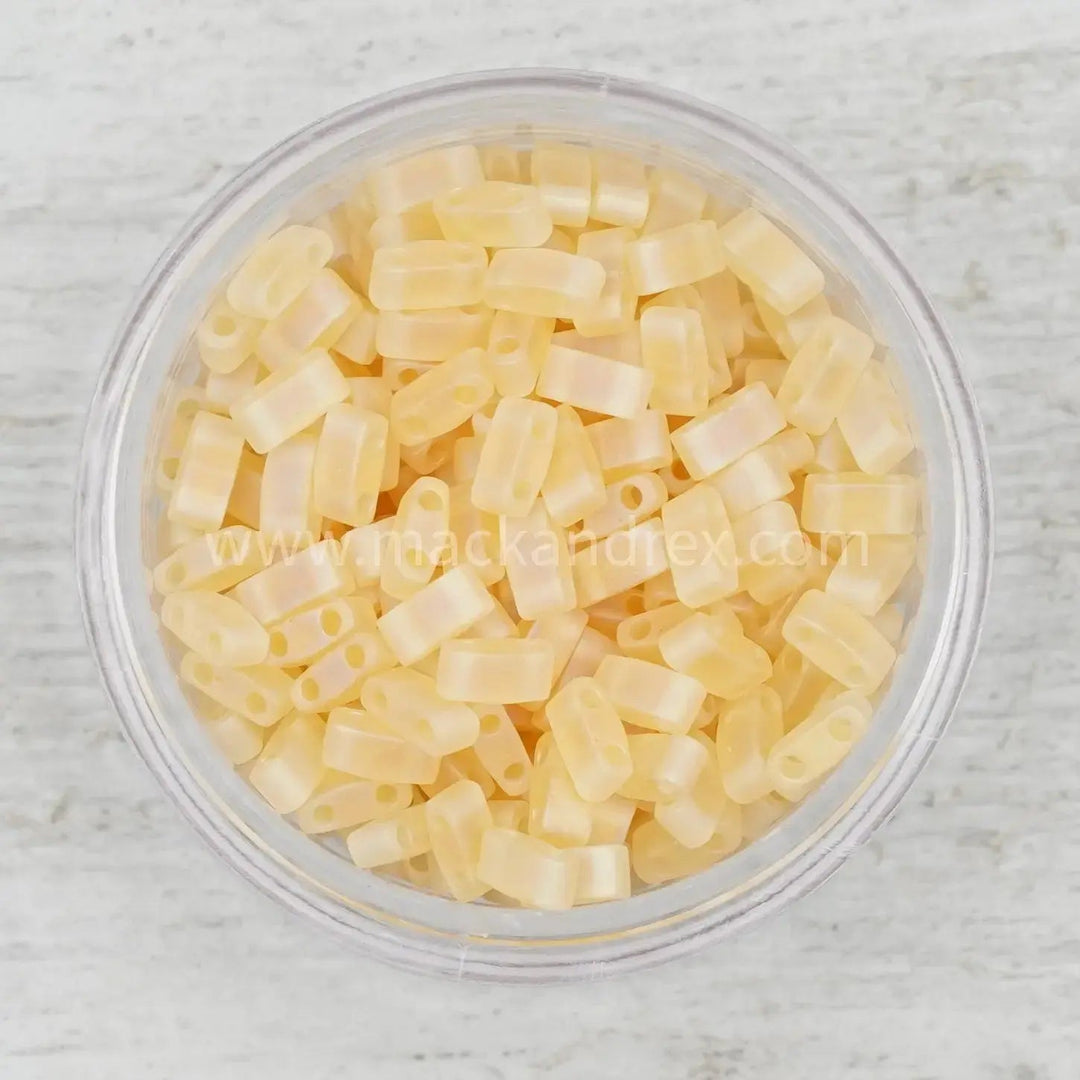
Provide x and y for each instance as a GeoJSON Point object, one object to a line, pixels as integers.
{"type": "Point", "coordinates": [947, 948]}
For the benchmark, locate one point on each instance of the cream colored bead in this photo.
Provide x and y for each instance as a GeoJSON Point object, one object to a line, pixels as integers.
{"type": "Point", "coordinates": [873, 423]}
{"type": "Point", "coordinates": [517, 346]}
{"type": "Point", "coordinates": [393, 230]}
{"type": "Point", "coordinates": [494, 214]}
{"type": "Point", "coordinates": [562, 630]}
{"type": "Point", "coordinates": [624, 347]}
{"type": "Point", "coordinates": [557, 813]}
{"type": "Point", "coordinates": [559, 240]}
{"type": "Point", "coordinates": [791, 331]}
{"type": "Point", "coordinates": [732, 426]}
{"type": "Point", "coordinates": [427, 274]}
{"type": "Point", "coordinates": [278, 271]}
{"type": "Point", "coordinates": [840, 641]}
{"type": "Point", "coordinates": [665, 766]}
{"type": "Point", "coordinates": [746, 730]}
{"type": "Point", "coordinates": [650, 695]}
{"type": "Point", "coordinates": [338, 675]}
{"type": "Point", "coordinates": [726, 664]}
{"type": "Point", "coordinates": [606, 615]}
{"type": "Point", "coordinates": [620, 193]}
{"type": "Point", "coordinates": [590, 650]}
{"type": "Point", "coordinates": [688, 298]}
{"type": "Point", "coordinates": [403, 836]}
{"type": "Point", "coordinates": [676, 256]}
{"type": "Point", "coordinates": [431, 335]}
{"type": "Point", "coordinates": [502, 753]}
{"type": "Point", "coordinates": [509, 813]}
{"type": "Point", "coordinates": [527, 869]}
{"type": "Point", "coordinates": [226, 338]}
{"type": "Point", "coordinates": [314, 574]}
{"type": "Point", "coordinates": [185, 407]}
{"type": "Point", "coordinates": [515, 456]}
{"type": "Point", "coordinates": [657, 857]}
{"type": "Point", "coordinates": [349, 464]}
{"type": "Point", "coordinates": [315, 319]}
{"type": "Point", "coordinates": [769, 262]}
{"type": "Point", "coordinates": [720, 297]}
{"type": "Point", "coordinates": [537, 561]}
{"type": "Point", "coordinates": [370, 393]}
{"type": "Point", "coordinates": [462, 765]}
{"type": "Point", "coordinates": [794, 448]}
{"type": "Point", "coordinates": [611, 820]}
{"type": "Point", "coordinates": [619, 562]}
{"type": "Point", "coordinates": [758, 477]}
{"type": "Point", "coordinates": [542, 281]}
{"type": "Point", "coordinates": [870, 571]}
{"type": "Point", "coordinates": [364, 551]}
{"type": "Point", "coordinates": [574, 484]}
{"type": "Point", "coordinates": [342, 802]}
{"type": "Point", "coordinates": [206, 471]}
{"type": "Point", "coordinates": [831, 453]}
{"type": "Point", "coordinates": [626, 503]}
{"type": "Point", "coordinates": [799, 683]}
{"type": "Point", "coordinates": [420, 178]}
{"type": "Point", "coordinates": [289, 400]}
{"type": "Point", "coordinates": [889, 622]}
{"type": "Point", "coordinates": [625, 447]}
{"type": "Point", "coordinates": [638, 636]}
{"type": "Point", "coordinates": [363, 745]}
{"type": "Point", "coordinates": [783, 572]}
{"type": "Point", "coordinates": [213, 561]}
{"type": "Point", "coordinates": [258, 693]}
{"type": "Point", "coordinates": [215, 627]}
{"type": "Point", "coordinates": [695, 816]}
{"type": "Point", "coordinates": [290, 766]}
{"type": "Point", "coordinates": [616, 306]}
{"type": "Point", "coordinates": [700, 546]}
{"type": "Point", "coordinates": [223, 390]}
{"type": "Point", "coordinates": [603, 872]}
{"type": "Point", "coordinates": [769, 370]}
{"type": "Point", "coordinates": [446, 607]}
{"type": "Point", "coordinates": [409, 703]}
{"type": "Point", "coordinates": [397, 374]}
{"type": "Point", "coordinates": [502, 162]}
{"type": "Point", "coordinates": [674, 199]}
{"type": "Point", "coordinates": [286, 504]}
{"type": "Point", "coordinates": [442, 398]}
{"type": "Point", "coordinates": [302, 637]}
{"type": "Point", "coordinates": [457, 819]}
{"type": "Point", "coordinates": [497, 671]}
{"type": "Point", "coordinates": [474, 537]}
{"type": "Point", "coordinates": [799, 759]}
{"type": "Point", "coordinates": [858, 503]}
{"type": "Point", "coordinates": [769, 537]}
{"type": "Point", "coordinates": [673, 349]}
{"type": "Point", "coordinates": [563, 176]}
{"type": "Point", "coordinates": [246, 494]}
{"type": "Point", "coordinates": [588, 381]}
{"type": "Point", "coordinates": [235, 736]}
{"type": "Point", "coordinates": [357, 341]}
{"type": "Point", "coordinates": [466, 458]}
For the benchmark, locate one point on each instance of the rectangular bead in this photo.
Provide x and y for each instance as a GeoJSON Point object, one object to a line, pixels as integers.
{"type": "Point", "coordinates": [650, 695]}
{"type": "Point", "coordinates": [626, 502]}
{"type": "Point", "coordinates": [419, 178]}
{"type": "Point", "coordinates": [673, 349]}
{"type": "Point", "coordinates": [213, 561]}
{"type": "Point", "coordinates": [665, 766]}
{"type": "Point", "coordinates": [290, 767]}
{"type": "Point", "coordinates": [674, 199]}
{"type": "Point", "coordinates": [314, 574]}
{"type": "Point", "coordinates": [278, 271]}
{"type": "Point", "coordinates": [362, 745]}
{"type": "Point", "coordinates": [226, 338]}
{"type": "Point", "coordinates": [870, 571]}
{"type": "Point", "coordinates": [873, 422]}
{"type": "Point", "coordinates": [315, 319]}
{"type": "Point", "coordinates": [542, 281]}
{"type": "Point", "coordinates": [758, 477]}
{"type": "Point", "coordinates": [427, 274]}
{"type": "Point", "coordinates": [616, 307]}
{"type": "Point", "coordinates": [206, 472]}
{"type": "Point", "coordinates": [495, 214]}
{"type": "Point", "coordinates": [700, 546]}
{"type": "Point", "coordinates": [431, 335]}
{"type": "Point", "coordinates": [537, 561]}
{"type": "Point", "coordinates": [574, 483]}
{"type": "Point", "coordinates": [619, 562]}
{"type": "Point", "coordinates": [338, 675]}
{"type": "Point", "coordinates": [791, 331]}
{"type": "Point", "coordinates": [563, 176]}
{"type": "Point", "coordinates": [442, 398]}
{"type": "Point", "coordinates": [726, 663]}
{"type": "Point", "coordinates": [592, 382]}
{"type": "Point", "coordinates": [627, 446]}
{"type": "Point", "coordinates": [287, 510]}
{"type": "Point", "coordinates": [675, 256]}
{"type": "Point", "coordinates": [854, 502]}
{"type": "Point", "coordinates": [603, 872]}
{"type": "Point", "coordinates": [527, 869]}
{"type": "Point", "coordinates": [746, 730]}
{"type": "Point", "coordinates": [620, 194]}
{"type": "Point", "coordinates": [409, 702]}
{"type": "Point", "coordinates": [343, 802]}
{"type": "Point", "coordinates": [259, 693]}
{"type": "Point", "coordinates": [501, 752]}
{"type": "Point", "coordinates": [475, 537]}
{"type": "Point", "coordinates": [457, 819]}
{"type": "Point", "coordinates": [515, 456]}
{"type": "Point", "coordinates": [498, 671]}
{"type": "Point", "coordinates": [517, 347]}
{"type": "Point", "coordinates": [349, 464]}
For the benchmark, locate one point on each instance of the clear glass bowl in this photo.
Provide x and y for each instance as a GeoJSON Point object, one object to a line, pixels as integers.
{"type": "Point", "coordinates": [116, 530]}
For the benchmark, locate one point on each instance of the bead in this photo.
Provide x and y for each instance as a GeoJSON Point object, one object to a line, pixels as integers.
{"type": "Point", "coordinates": [418, 179]}
{"type": "Point", "coordinates": [223, 390]}
{"type": "Point", "coordinates": [205, 475]}
{"type": "Point", "coordinates": [462, 765]}
{"type": "Point", "coordinates": [649, 695]}
{"type": "Point", "coordinates": [620, 193]}
{"type": "Point", "coordinates": [357, 341]}
{"type": "Point", "coordinates": [603, 872]}
{"type": "Point", "coordinates": [606, 615]}
{"type": "Point", "coordinates": [502, 162]}
{"type": "Point", "coordinates": [537, 561]}
{"type": "Point", "coordinates": [615, 308]}
{"type": "Point", "coordinates": [624, 347]}
{"type": "Point", "coordinates": [403, 836]}
{"type": "Point", "coordinates": [215, 628]}
{"type": "Point", "coordinates": [213, 561]}
{"type": "Point", "coordinates": [727, 664]}
{"type": "Point", "coordinates": [515, 456]}
{"type": "Point", "coordinates": [342, 802]}
{"type": "Point", "coordinates": [542, 281]}
{"type": "Point", "coordinates": [226, 338]}
{"type": "Point", "coordinates": [246, 491]}
{"type": "Point", "coordinates": [588, 381]}
{"type": "Point", "coordinates": [769, 262]}
{"type": "Point", "coordinates": [758, 477]}
{"type": "Point", "coordinates": [769, 370]}
{"type": "Point", "coordinates": [494, 214]}
{"type": "Point", "coordinates": [673, 349]}
{"type": "Point", "coordinates": [733, 425]}
{"type": "Point", "coordinates": [362, 745]}
{"type": "Point", "coordinates": [628, 446]}
{"type": "Point", "coordinates": [610, 820]}
{"type": "Point", "coordinates": [873, 424]}
{"type": "Point", "coordinates": [889, 622]}
{"type": "Point", "coordinates": [560, 241]}
{"type": "Point", "coordinates": [369, 393]}
{"type": "Point", "coordinates": [675, 256]}
{"type": "Point", "coordinates": [791, 331]}
{"type": "Point", "coordinates": [431, 335]}
{"type": "Point", "coordinates": [278, 271]}
{"type": "Point", "coordinates": [290, 767]}
{"type": "Point", "coordinates": [674, 199]}
{"type": "Point", "coordinates": [502, 753]}
{"type": "Point", "coordinates": [695, 815]}
{"type": "Point", "coordinates": [619, 562]}
{"type": "Point", "coordinates": [638, 635]}
{"type": "Point", "coordinates": [870, 571]}
{"type": "Point", "coordinates": [557, 813]}
{"type": "Point", "coordinates": [839, 640]}
{"type": "Point", "coordinates": [509, 813]}
{"type": "Point", "coordinates": [300, 638]}
{"type": "Point", "coordinates": [591, 648]}
{"type": "Point", "coordinates": [474, 538]}
{"type": "Point", "coordinates": [854, 502]}
{"type": "Point", "coordinates": [590, 738]}
{"type": "Point", "coordinates": [720, 298]}
{"type": "Point", "coordinates": [563, 176]}
{"type": "Point", "coordinates": [799, 683]}
{"type": "Point", "coordinates": [349, 463]}
{"type": "Point", "coordinates": [408, 702]}
{"type": "Point", "coordinates": [286, 504]}
{"type": "Point", "coordinates": [393, 230]}
{"type": "Point", "coordinates": [517, 346]}
{"type": "Point", "coordinates": [794, 449]}
{"type": "Point", "coordinates": [527, 869]}
{"type": "Point", "coordinates": [235, 736]}
{"type": "Point", "coordinates": [338, 675]}
{"type": "Point", "coordinates": [818, 744]}
{"type": "Point", "coordinates": [442, 398]}
{"type": "Point", "coordinates": [316, 573]}
{"type": "Point", "coordinates": [446, 607]}
{"type": "Point", "coordinates": [665, 766]}
{"type": "Point", "coordinates": [701, 546]}
{"type": "Point", "coordinates": [562, 630]}
{"type": "Point", "coordinates": [657, 857]}
{"type": "Point", "coordinates": [574, 484]}
{"type": "Point", "coordinates": [626, 503]}
{"type": "Point", "coordinates": [364, 551]}
{"type": "Point", "coordinates": [315, 319]}
{"type": "Point", "coordinates": [746, 730]}
{"type": "Point", "coordinates": [498, 671]}
{"type": "Point", "coordinates": [289, 400]}
{"type": "Point", "coordinates": [457, 820]}
{"type": "Point", "coordinates": [258, 693]}
{"type": "Point", "coordinates": [769, 535]}
{"type": "Point", "coordinates": [427, 274]}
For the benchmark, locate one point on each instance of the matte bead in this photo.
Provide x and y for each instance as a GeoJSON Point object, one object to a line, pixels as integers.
{"type": "Point", "coordinates": [542, 281]}
{"type": "Point", "coordinates": [857, 503]}
{"type": "Point", "coordinates": [517, 347]}
{"type": "Point", "coordinates": [302, 637]}
{"type": "Point", "coordinates": [649, 695]}
{"type": "Point", "coordinates": [624, 347]}
{"type": "Point", "coordinates": [616, 306]}
{"type": "Point", "coordinates": [235, 736]}
{"type": "Point", "coordinates": [794, 448]}
{"type": "Point", "coordinates": [372, 394]}
{"type": "Point", "coordinates": [590, 650]}
{"type": "Point", "coordinates": [418, 542]}
{"type": "Point", "coordinates": [562, 630]}
{"type": "Point", "coordinates": [213, 561]}
{"type": "Point", "coordinates": [403, 836]}
{"type": "Point", "coordinates": [870, 571]}
{"type": "Point", "coordinates": [611, 820]}
{"type": "Point", "coordinates": [873, 422]}
{"type": "Point", "coordinates": [410, 703]}
{"type": "Point", "coordinates": [675, 256]}
{"type": "Point", "coordinates": [791, 331]}
{"type": "Point", "coordinates": [363, 745]}
{"type": "Point", "coordinates": [574, 484]}
{"type": "Point", "coordinates": [527, 869]}
{"type": "Point", "coordinates": [462, 765]}
{"type": "Point", "coordinates": [557, 813]}
{"type": "Point", "coordinates": [393, 230]}
{"type": "Point", "coordinates": [316, 573]}
{"type": "Point", "coordinates": [495, 214]}
{"type": "Point", "coordinates": [357, 341]}
{"type": "Point", "coordinates": [620, 194]}
{"type": "Point", "coordinates": [758, 477]}
{"type": "Point", "coordinates": [720, 297]}
{"type": "Point", "coordinates": [673, 349]}
{"type": "Point", "coordinates": [638, 635]}
{"type": "Point", "coordinates": [338, 675]}
{"type": "Point", "coordinates": [515, 456]}
{"type": "Point", "coordinates": [349, 464]}
{"type": "Point", "coordinates": [290, 766]}
{"type": "Point", "coordinates": [657, 857]}
{"type": "Point", "coordinates": [628, 446]}
{"type": "Point", "coordinates": [537, 561]}
{"type": "Point", "coordinates": [509, 813]}
{"type": "Point", "coordinates": [475, 537]}
{"type": "Point", "coordinates": [626, 503]}
{"type": "Point", "coordinates": [759, 817]}
{"type": "Point", "coordinates": [769, 535]}
{"type": "Point", "coordinates": [498, 671]}
{"type": "Point", "coordinates": [502, 162]}
{"type": "Point", "coordinates": [619, 562]}
{"type": "Point", "coordinates": [427, 274]}
{"type": "Point", "coordinates": [431, 335]}
{"type": "Point", "coordinates": [665, 766]}
{"type": "Point", "coordinates": [419, 178]}
{"type": "Point", "coordinates": [674, 199]}
{"type": "Point", "coordinates": [215, 627]}
{"type": "Point", "coordinates": [315, 319]}
{"type": "Point", "coordinates": [700, 546]}
{"type": "Point", "coordinates": [889, 622]}
{"type": "Point", "coordinates": [727, 664]}
{"type": "Point", "coordinates": [746, 730]}
{"type": "Point", "coordinates": [457, 820]}
{"type": "Point", "coordinates": [223, 390]}
{"type": "Point", "coordinates": [364, 550]}
{"type": "Point", "coordinates": [603, 872]}
{"type": "Point", "coordinates": [278, 271]}
{"type": "Point", "coordinates": [606, 615]}
{"type": "Point", "coordinates": [442, 398]}
{"type": "Point", "coordinates": [226, 338]}
{"type": "Point", "coordinates": [563, 176]}
{"type": "Point", "coordinates": [258, 693]}
{"type": "Point", "coordinates": [769, 370]}
{"type": "Point", "coordinates": [799, 683]}
{"type": "Point", "coordinates": [502, 753]}
{"type": "Point", "coordinates": [342, 802]}
{"type": "Point", "coordinates": [592, 382]}
{"type": "Point", "coordinates": [206, 472]}
{"type": "Point", "coordinates": [695, 816]}
{"type": "Point", "coordinates": [286, 493]}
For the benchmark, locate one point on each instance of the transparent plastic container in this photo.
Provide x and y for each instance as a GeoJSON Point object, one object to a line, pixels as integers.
{"type": "Point", "coordinates": [117, 530]}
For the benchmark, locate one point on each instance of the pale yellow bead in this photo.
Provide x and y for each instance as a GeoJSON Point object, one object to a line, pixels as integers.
{"type": "Point", "coordinates": [616, 307]}
{"type": "Point", "coordinates": [674, 199]}
{"type": "Point", "coordinates": [831, 453]}
{"type": "Point", "coordinates": [500, 750]}
{"type": "Point", "coordinates": [769, 536]}
{"type": "Point", "coordinates": [542, 281]}
{"type": "Point", "coordinates": [286, 497]}
{"type": "Point", "coordinates": [657, 857]}
{"type": "Point", "coordinates": [442, 398]}
{"type": "Point", "coordinates": [857, 503]}
{"type": "Point", "coordinates": [427, 274]}
{"type": "Point", "coordinates": [315, 319]}
{"type": "Point", "coordinates": [620, 193]}
{"type": "Point", "coordinates": [495, 214]}
{"type": "Point", "coordinates": [799, 683]}
{"type": "Point", "coordinates": [673, 349]}
{"type": "Point", "coordinates": [606, 615]}
{"type": "Point", "coordinates": [733, 425]}
{"type": "Point", "coordinates": [409, 703]}
{"type": "Point", "coordinates": [226, 338]}
{"type": "Point", "coordinates": [474, 538]}
{"type": "Point", "coordinates": [370, 393]}
{"type": "Point", "coordinates": [700, 544]}
{"type": "Point", "coordinates": [809, 750]}
{"type": "Point", "coordinates": [392, 230]}
{"type": "Point", "coordinates": [212, 561]}
{"type": "Point", "coordinates": [397, 374]}
{"type": "Point", "coordinates": [502, 162]}
{"type": "Point", "coordinates": [650, 695]}
{"type": "Point", "coordinates": [563, 176]}
{"type": "Point", "coordinates": [870, 571]}
{"type": "Point", "coordinates": [873, 423]}
{"type": "Point", "coordinates": [206, 471]}
{"type": "Point", "coordinates": [769, 262]}
{"type": "Point", "coordinates": [290, 766]}
{"type": "Point", "coordinates": [342, 802]}
{"type": "Point", "coordinates": [289, 400]}
{"type": "Point", "coordinates": [431, 335]}
{"type": "Point", "coordinates": [364, 551]}
{"type": "Point", "coordinates": [611, 820]}
{"type": "Point", "coordinates": [517, 346]}
{"type": "Point", "coordinates": [509, 813]}
{"type": "Point", "coordinates": [462, 765]}
{"type": "Point", "coordinates": [187, 404]}
{"type": "Point", "coordinates": [496, 670]}
{"type": "Point", "coordinates": [338, 675]}
{"type": "Point", "coordinates": [720, 297]}
{"type": "Point", "coordinates": [624, 347]}
{"type": "Point", "coordinates": [362, 745]}
{"type": "Point", "coordinates": [420, 178]}
{"type": "Point", "coordinates": [574, 484]}
{"type": "Point", "coordinates": [726, 664]}
{"type": "Point", "coordinates": [457, 819]}
{"type": "Point", "coordinates": [246, 494]}
{"type": "Point", "coordinates": [675, 256]}
{"type": "Point", "coordinates": [278, 271]}
{"type": "Point", "coordinates": [537, 560]}
{"type": "Point", "coordinates": [638, 635]}
{"type": "Point", "coordinates": [515, 456]}
{"type": "Point", "coordinates": [223, 390]}
{"type": "Point", "coordinates": [588, 381]}
{"type": "Point", "coordinates": [769, 370]}
{"type": "Point", "coordinates": [557, 813]}
{"type": "Point", "coordinates": [562, 630]}
{"type": "Point", "coordinates": [791, 331]}
{"type": "Point", "coordinates": [590, 650]}
{"type": "Point", "coordinates": [302, 637]}
{"type": "Point", "coordinates": [758, 477]}
{"type": "Point", "coordinates": [349, 464]}
{"type": "Point", "coordinates": [687, 297]}
{"type": "Point", "coordinates": [528, 870]}
{"type": "Point", "coordinates": [603, 872]}
{"type": "Point", "coordinates": [626, 503]}
{"type": "Point", "coordinates": [559, 240]}
{"type": "Point", "coordinates": [403, 836]}
{"type": "Point", "coordinates": [746, 730]}
{"type": "Point", "coordinates": [627, 446]}
{"type": "Point", "coordinates": [664, 766]}
{"type": "Point", "coordinates": [215, 627]}
{"type": "Point", "coordinates": [794, 448]}
{"type": "Point", "coordinates": [235, 736]}
{"type": "Point", "coordinates": [619, 562]}
{"type": "Point", "coordinates": [446, 607]}
{"type": "Point", "coordinates": [783, 571]}
{"type": "Point", "coordinates": [357, 341]}
{"type": "Point", "coordinates": [258, 693]}
{"type": "Point", "coordinates": [840, 641]}
{"type": "Point", "coordinates": [694, 816]}
{"type": "Point", "coordinates": [312, 575]}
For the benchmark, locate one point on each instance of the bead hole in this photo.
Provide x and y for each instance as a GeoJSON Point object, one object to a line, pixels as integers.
{"type": "Point", "coordinates": [279, 644]}
{"type": "Point", "coordinates": [255, 703]}
{"type": "Point", "coordinates": [506, 345]}
{"type": "Point", "coordinates": [792, 768]}
{"type": "Point", "coordinates": [323, 814]}
{"type": "Point", "coordinates": [490, 723]}
{"type": "Point", "coordinates": [309, 689]}
{"type": "Point", "coordinates": [385, 794]}
{"type": "Point", "coordinates": [631, 496]}
{"type": "Point", "coordinates": [330, 622]}
{"type": "Point", "coordinates": [430, 501]}
{"type": "Point", "coordinates": [356, 657]}
{"type": "Point", "coordinates": [514, 771]}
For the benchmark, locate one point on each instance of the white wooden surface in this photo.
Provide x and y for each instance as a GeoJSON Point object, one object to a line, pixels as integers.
{"type": "Point", "coordinates": [947, 948]}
